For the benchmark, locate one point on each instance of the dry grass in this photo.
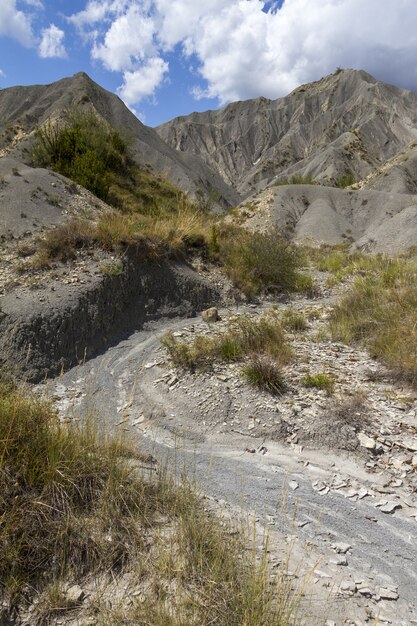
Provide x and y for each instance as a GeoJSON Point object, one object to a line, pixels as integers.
{"type": "Point", "coordinates": [75, 507]}
{"type": "Point", "coordinates": [265, 373]}
{"type": "Point", "coordinates": [244, 337]}
{"type": "Point", "coordinates": [379, 312]}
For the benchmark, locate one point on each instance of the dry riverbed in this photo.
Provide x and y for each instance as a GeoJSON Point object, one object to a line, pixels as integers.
{"type": "Point", "coordinates": [332, 477]}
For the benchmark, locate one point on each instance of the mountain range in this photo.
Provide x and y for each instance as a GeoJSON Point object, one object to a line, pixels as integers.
{"type": "Point", "coordinates": [335, 160]}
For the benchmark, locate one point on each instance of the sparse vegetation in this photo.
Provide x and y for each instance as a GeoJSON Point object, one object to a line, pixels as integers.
{"type": "Point", "coordinates": [294, 321]}
{"type": "Point", "coordinates": [75, 504]}
{"type": "Point", "coordinates": [320, 380]}
{"type": "Point", "coordinates": [345, 181]}
{"type": "Point", "coordinates": [264, 372]}
{"type": "Point", "coordinates": [147, 206]}
{"type": "Point", "coordinates": [295, 179]}
{"type": "Point", "coordinates": [246, 336]}
{"type": "Point", "coordinates": [379, 312]}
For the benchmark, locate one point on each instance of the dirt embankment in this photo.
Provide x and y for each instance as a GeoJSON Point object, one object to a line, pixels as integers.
{"type": "Point", "coordinates": [61, 324]}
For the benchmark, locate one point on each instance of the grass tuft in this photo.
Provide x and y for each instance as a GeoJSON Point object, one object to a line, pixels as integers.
{"type": "Point", "coordinates": [321, 380]}
{"type": "Point", "coordinates": [76, 507]}
{"type": "Point", "coordinates": [245, 336]}
{"type": "Point", "coordinates": [265, 373]}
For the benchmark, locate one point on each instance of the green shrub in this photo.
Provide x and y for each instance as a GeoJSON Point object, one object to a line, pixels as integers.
{"type": "Point", "coordinates": [295, 179]}
{"type": "Point", "coordinates": [345, 181]}
{"type": "Point", "coordinates": [85, 149]}
{"type": "Point", "coordinates": [320, 380]}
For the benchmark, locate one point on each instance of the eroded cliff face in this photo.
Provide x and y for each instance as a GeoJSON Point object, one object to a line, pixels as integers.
{"type": "Point", "coordinates": [45, 333]}
{"type": "Point", "coordinates": [347, 122]}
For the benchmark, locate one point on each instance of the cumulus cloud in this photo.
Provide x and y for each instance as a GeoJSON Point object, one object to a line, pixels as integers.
{"type": "Point", "coordinates": [52, 43]}
{"type": "Point", "coordinates": [128, 40]}
{"type": "Point", "coordinates": [141, 83]}
{"type": "Point", "coordinates": [246, 48]}
{"type": "Point", "coordinates": [2, 74]}
{"type": "Point", "coordinates": [15, 23]}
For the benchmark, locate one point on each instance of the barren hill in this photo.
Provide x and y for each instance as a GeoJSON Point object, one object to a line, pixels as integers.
{"type": "Point", "coordinates": [23, 109]}
{"type": "Point", "coordinates": [346, 123]}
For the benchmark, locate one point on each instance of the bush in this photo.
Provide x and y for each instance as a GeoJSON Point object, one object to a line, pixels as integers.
{"type": "Point", "coordinates": [85, 149]}
{"type": "Point", "coordinates": [258, 262]}
{"type": "Point", "coordinates": [265, 373]}
{"type": "Point", "coordinates": [294, 321]}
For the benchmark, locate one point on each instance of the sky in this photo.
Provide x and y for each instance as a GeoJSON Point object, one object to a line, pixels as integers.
{"type": "Point", "coordinates": [170, 57]}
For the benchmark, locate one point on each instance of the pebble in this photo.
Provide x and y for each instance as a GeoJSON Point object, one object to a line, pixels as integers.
{"type": "Point", "coordinates": [366, 442]}
{"type": "Point", "coordinates": [293, 485]}
{"type": "Point", "coordinates": [390, 507]}
{"type": "Point", "coordinates": [341, 548]}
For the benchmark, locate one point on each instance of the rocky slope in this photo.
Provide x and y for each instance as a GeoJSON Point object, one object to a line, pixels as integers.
{"type": "Point", "coordinates": [347, 122]}
{"type": "Point", "coordinates": [23, 109]}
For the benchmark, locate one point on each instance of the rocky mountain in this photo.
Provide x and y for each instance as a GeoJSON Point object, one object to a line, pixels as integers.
{"type": "Point", "coordinates": [346, 124]}
{"type": "Point", "coordinates": [334, 161]}
{"type": "Point", "coordinates": [347, 130]}
{"type": "Point", "coordinates": [23, 109]}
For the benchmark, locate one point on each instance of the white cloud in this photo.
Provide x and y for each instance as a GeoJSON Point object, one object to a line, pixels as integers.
{"type": "Point", "coordinates": [15, 23]}
{"type": "Point", "coordinates": [142, 82]}
{"type": "Point", "coordinates": [241, 51]}
{"type": "Point", "coordinates": [2, 74]}
{"type": "Point", "coordinates": [52, 43]}
{"type": "Point", "coordinates": [128, 40]}
{"type": "Point", "coordinates": [37, 4]}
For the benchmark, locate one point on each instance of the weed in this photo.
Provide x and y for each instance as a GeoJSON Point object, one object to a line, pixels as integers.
{"type": "Point", "coordinates": [379, 312]}
{"type": "Point", "coordinates": [264, 372]}
{"type": "Point", "coordinates": [112, 268]}
{"type": "Point", "coordinates": [294, 320]}
{"type": "Point", "coordinates": [320, 380]}
{"type": "Point", "coordinates": [245, 336]}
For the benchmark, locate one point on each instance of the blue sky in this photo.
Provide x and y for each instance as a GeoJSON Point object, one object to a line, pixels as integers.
{"type": "Point", "coordinates": [170, 57]}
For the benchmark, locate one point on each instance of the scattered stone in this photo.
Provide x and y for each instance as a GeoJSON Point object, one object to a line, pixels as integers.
{"type": "Point", "coordinates": [341, 548]}
{"type": "Point", "coordinates": [347, 586]}
{"type": "Point", "coordinates": [74, 595]}
{"type": "Point", "coordinates": [210, 315]}
{"type": "Point", "coordinates": [410, 444]}
{"type": "Point", "coordinates": [293, 485]}
{"type": "Point", "coordinates": [341, 561]}
{"type": "Point", "coordinates": [366, 442]}
{"type": "Point", "coordinates": [390, 507]}
{"type": "Point", "coordinates": [386, 593]}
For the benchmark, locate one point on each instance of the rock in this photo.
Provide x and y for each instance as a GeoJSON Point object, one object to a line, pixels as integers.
{"type": "Point", "coordinates": [366, 442]}
{"type": "Point", "coordinates": [210, 315]}
{"type": "Point", "coordinates": [340, 561]}
{"type": "Point", "coordinates": [390, 507]}
{"type": "Point", "coordinates": [293, 485]}
{"type": "Point", "coordinates": [74, 594]}
{"type": "Point", "coordinates": [414, 461]}
{"type": "Point", "coordinates": [347, 586]}
{"type": "Point", "coordinates": [341, 548]}
{"type": "Point", "coordinates": [388, 594]}
{"type": "Point", "coordinates": [410, 444]}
